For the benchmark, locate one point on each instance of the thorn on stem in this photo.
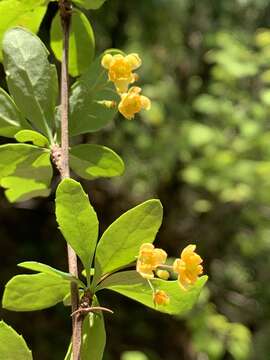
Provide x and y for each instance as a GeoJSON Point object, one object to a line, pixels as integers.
{"type": "Point", "coordinates": [84, 311]}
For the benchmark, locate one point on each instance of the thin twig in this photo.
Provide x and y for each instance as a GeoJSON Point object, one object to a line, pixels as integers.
{"type": "Point", "coordinates": [65, 13]}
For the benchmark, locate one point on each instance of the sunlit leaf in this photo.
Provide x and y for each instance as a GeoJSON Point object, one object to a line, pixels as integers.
{"type": "Point", "coordinates": [32, 136]}
{"type": "Point", "coordinates": [34, 292]}
{"type": "Point", "coordinates": [132, 285]}
{"type": "Point", "coordinates": [77, 219]}
{"type": "Point", "coordinates": [27, 13]}
{"type": "Point", "coordinates": [120, 243]}
{"type": "Point", "coordinates": [32, 80]}
{"type": "Point", "coordinates": [12, 345]}
{"type": "Point", "coordinates": [25, 171]}
{"type": "Point", "coordinates": [92, 161]}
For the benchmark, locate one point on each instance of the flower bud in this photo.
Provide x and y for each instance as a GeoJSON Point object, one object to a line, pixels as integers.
{"type": "Point", "coordinates": [161, 298]}
{"type": "Point", "coordinates": [163, 274]}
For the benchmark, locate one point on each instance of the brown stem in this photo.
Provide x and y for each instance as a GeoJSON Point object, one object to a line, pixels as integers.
{"type": "Point", "coordinates": [65, 13]}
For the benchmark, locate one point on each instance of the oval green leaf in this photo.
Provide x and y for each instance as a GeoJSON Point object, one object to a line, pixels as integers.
{"type": "Point", "coordinates": [91, 161]}
{"type": "Point", "coordinates": [132, 285]}
{"type": "Point", "coordinates": [81, 40]}
{"type": "Point", "coordinates": [34, 292]}
{"type": "Point", "coordinates": [120, 243]}
{"type": "Point", "coordinates": [77, 219]}
{"type": "Point", "coordinates": [32, 136]}
{"type": "Point", "coordinates": [12, 345]}
{"type": "Point", "coordinates": [32, 80]}
{"type": "Point", "coordinates": [25, 171]}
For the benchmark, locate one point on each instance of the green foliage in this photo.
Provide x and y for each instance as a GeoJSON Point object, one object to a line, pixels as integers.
{"type": "Point", "coordinates": [32, 80]}
{"type": "Point", "coordinates": [132, 285]}
{"type": "Point", "coordinates": [82, 42]}
{"type": "Point", "coordinates": [11, 120]}
{"type": "Point", "coordinates": [27, 13]}
{"type": "Point", "coordinates": [34, 292]}
{"type": "Point", "coordinates": [25, 171]}
{"type": "Point", "coordinates": [77, 220]}
{"type": "Point", "coordinates": [120, 243]}
{"type": "Point", "coordinates": [86, 113]}
{"type": "Point", "coordinates": [46, 269]}
{"type": "Point", "coordinates": [91, 161]}
{"type": "Point", "coordinates": [12, 345]}
{"type": "Point", "coordinates": [32, 136]}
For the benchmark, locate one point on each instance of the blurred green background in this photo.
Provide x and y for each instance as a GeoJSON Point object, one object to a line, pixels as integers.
{"type": "Point", "coordinates": [204, 150]}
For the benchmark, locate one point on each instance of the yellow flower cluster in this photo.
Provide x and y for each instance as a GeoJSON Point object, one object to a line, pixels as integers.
{"type": "Point", "coordinates": [120, 72]}
{"type": "Point", "coordinates": [188, 267]}
{"type": "Point", "coordinates": [149, 259]}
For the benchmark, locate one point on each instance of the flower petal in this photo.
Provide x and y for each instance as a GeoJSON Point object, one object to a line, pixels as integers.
{"type": "Point", "coordinates": [146, 103]}
{"type": "Point", "coordinates": [134, 61]}
{"type": "Point", "coordinates": [106, 60]}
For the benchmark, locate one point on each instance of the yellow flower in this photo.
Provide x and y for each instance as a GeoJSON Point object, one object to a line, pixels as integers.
{"type": "Point", "coordinates": [160, 297]}
{"type": "Point", "coordinates": [120, 69]}
{"type": "Point", "coordinates": [188, 266]}
{"type": "Point", "coordinates": [132, 102]}
{"type": "Point", "coordinates": [149, 258]}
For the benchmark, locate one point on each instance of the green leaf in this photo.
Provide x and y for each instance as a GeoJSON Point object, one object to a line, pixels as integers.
{"type": "Point", "coordinates": [86, 113]}
{"type": "Point", "coordinates": [81, 40]}
{"type": "Point", "coordinates": [32, 80]}
{"type": "Point", "coordinates": [34, 292]}
{"type": "Point", "coordinates": [90, 4]}
{"type": "Point", "coordinates": [77, 219]}
{"type": "Point", "coordinates": [27, 13]}
{"type": "Point", "coordinates": [12, 345]}
{"type": "Point", "coordinates": [92, 161]}
{"type": "Point", "coordinates": [132, 285]}
{"type": "Point", "coordinates": [94, 336]}
{"type": "Point", "coordinates": [32, 136]}
{"type": "Point", "coordinates": [25, 171]}
{"type": "Point", "coordinates": [121, 242]}
{"type": "Point", "coordinates": [69, 352]}
{"type": "Point", "coordinates": [46, 269]}
{"type": "Point", "coordinates": [11, 120]}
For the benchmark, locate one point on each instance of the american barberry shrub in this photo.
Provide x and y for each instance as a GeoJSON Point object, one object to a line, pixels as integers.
{"type": "Point", "coordinates": [124, 259]}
